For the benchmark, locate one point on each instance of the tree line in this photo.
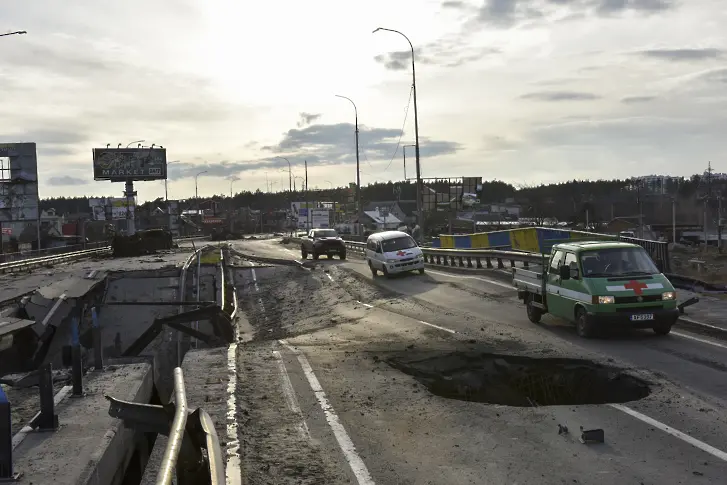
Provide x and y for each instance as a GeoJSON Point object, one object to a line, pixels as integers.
{"type": "Point", "coordinates": [569, 200]}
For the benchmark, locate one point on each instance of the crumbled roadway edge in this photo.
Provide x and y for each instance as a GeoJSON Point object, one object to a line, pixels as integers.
{"type": "Point", "coordinates": [274, 448]}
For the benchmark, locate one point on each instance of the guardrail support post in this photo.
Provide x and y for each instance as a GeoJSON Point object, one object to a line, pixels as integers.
{"type": "Point", "coordinates": [47, 420]}
{"type": "Point", "coordinates": [499, 264]}
{"type": "Point", "coordinates": [76, 363]}
{"type": "Point", "coordinates": [512, 263]}
{"type": "Point", "coordinates": [478, 263]}
{"type": "Point", "coordinates": [526, 265]}
{"type": "Point", "coordinates": [469, 262]}
{"type": "Point", "coordinates": [97, 345]}
{"type": "Point", "coordinates": [6, 441]}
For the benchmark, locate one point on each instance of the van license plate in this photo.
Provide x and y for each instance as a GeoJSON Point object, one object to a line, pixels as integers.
{"type": "Point", "coordinates": [640, 317]}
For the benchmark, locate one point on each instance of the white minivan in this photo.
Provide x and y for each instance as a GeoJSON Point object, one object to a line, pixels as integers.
{"type": "Point", "coordinates": [393, 252]}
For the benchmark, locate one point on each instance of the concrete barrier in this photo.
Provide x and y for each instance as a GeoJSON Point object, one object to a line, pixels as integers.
{"type": "Point", "coordinates": [89, 447]}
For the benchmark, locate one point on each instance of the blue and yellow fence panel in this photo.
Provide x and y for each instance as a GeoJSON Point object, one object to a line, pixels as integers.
{"type": "Point", "coordinates": [529, 239]}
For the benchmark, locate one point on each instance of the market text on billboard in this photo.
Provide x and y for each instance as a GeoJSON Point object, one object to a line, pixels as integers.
{"type": "Point", "coordinates": [121, 164]}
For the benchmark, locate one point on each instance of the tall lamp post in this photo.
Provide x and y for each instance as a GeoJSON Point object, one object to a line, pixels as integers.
{"type": "Point", "coordinates": [196, 192]}
{"type": "Point", "coordinates": [290, 181]}
{"type": "Point", "coordinates": [420, 214]}
{"type": "Point", "coordinates": [359, 209]}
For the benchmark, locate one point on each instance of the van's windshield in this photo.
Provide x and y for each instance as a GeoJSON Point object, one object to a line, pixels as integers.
{"type": "Point", "coordinates": [602, 263]}
{"type": "Point", "coordinates": [397, 244]}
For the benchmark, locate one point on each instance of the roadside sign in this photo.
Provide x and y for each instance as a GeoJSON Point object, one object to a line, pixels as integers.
{"type": "Point", "coordinates": [122, 164]}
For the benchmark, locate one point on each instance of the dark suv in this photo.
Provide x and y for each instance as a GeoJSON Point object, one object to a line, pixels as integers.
{"type": "Point", "coordinates": [322, 241]}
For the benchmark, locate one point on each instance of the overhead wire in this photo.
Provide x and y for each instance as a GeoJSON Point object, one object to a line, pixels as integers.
{"type": "Point", "coordinates": [398, 143]}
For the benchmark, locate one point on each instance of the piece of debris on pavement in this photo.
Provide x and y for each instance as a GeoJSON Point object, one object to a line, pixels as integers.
{"type": "Point", "coordinates": [589, 436]}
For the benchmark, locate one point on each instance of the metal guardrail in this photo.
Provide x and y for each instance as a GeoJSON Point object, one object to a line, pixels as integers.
{"type": "Point", "coordinates": [33, 262]}
{"type": "Point", "coordinates": [463, 258]}
{"type": "Point", "coordinates": [189, 434]}
{"type": "Point", "coordinates": [55, 251]}
{"type": "Point", "coordinates": [26, 264]}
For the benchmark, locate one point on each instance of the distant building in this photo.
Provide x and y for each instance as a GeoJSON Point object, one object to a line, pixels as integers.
{"type": "Point", "coordinates": [657, 183]}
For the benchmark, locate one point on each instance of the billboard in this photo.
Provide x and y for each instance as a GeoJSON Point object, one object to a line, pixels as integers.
{"type": "Point", "coordinates": [320, 219]}
{"type": "Point", "coordinates": [113, 208]}
{"type": "Point", "coordinates": [122, 164]}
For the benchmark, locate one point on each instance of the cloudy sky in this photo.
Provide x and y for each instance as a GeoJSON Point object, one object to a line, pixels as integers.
{"type": "Point", "coordinates": [525, 91]}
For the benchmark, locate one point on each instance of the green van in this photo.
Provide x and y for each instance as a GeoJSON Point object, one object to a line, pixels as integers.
{"type": "Point", "coordinates": [597, 283]}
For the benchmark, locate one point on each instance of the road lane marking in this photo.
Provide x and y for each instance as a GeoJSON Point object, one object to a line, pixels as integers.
{"type": "Point", "coordinates": [364, 304]}
{"type": "Point", "coordinates": [358, 467]}
{"type": "Point", "coordinates": [704, 341]}
{"type": "Point", "coordinates": [674, 432]}
{"type": "Point", "coordinates": [695, 322]}
{"type": "Point", "coordinates": [329, 277]}
{"type": "Point", "coordinates": [233, 473]}
{"type": "Point", "coordinates": [289, 393]}
{"type": "Point", "coordinates": [486, 280]}
{"type": "Point", "coordinates": [437, 327]}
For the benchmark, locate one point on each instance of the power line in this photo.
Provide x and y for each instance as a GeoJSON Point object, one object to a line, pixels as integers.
{"type": "Point", "coordinates": [398, 143]}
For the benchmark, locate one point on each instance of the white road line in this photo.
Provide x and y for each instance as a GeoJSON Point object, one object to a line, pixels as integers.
{"type": "Point", "coordinates": [329, 277]}
{"type": "Point", "coordinates": [290, 396]}
{"type": "Point", "coordinates": [704, 341]}
{"type": "Point", "coordinates": [695, 322]}
{"type": "Point", "coordinates": [478, 278]}
{"type": "Point", "coordinates": [233, 473]}
{"type": "Point", "coordinates": [358, 467]}
{"type": "Point", "coordinates": [674, 432]}
{"type": "Point", "coordinates": [57, 399]}
{"type": "Point", "coordinates": [438, 327]}
{"type": "Point", "coordinates": [364, 304]}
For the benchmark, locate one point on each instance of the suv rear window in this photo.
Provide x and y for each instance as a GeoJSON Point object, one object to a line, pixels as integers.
{"type": "Point", "coordinates": [325, 233]}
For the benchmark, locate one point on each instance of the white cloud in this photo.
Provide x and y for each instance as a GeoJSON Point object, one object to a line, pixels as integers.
{"type": "Point", "coordinates": [521, 90]}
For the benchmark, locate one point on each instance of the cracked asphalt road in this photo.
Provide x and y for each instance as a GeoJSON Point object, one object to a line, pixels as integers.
{"type": "Point", "coordinates": [319, 402]}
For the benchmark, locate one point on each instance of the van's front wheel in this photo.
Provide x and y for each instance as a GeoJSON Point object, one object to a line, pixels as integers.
{"type": "Point", "coordinates": [584, 328]}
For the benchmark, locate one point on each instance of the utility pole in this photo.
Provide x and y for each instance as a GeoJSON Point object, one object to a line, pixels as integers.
{"type": "Point", "coordinates": [674, 219]}
{"type": "Point", "coordinates": [359, 207]}
{"type": "Point", "coordinates": [420, 186]}
{"type": "Point", "coordinates": [305, 195]}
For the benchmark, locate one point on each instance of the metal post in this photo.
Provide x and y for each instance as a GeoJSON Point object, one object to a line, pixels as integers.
{"type": "Point", "coordinates": [129, 194]}
{"type": "Point", "coordinates": [706, 241]}
{"type": "Point", "coordinates": [674, 220]}
{"type": "Point", "coordinates": [420, 187]}
{"type": "Point", "coordinates": [719, 222]}
{"type": "Point", "coordinates": [47, 420]}
{"type": "Point", "coordinates": [359, 208]}
{"type": "Point", "coordinates": [97, 341]}
{"type": "Point", "coordinates": [6, 440]}
{"type": "Point", "coordinates": [76, 364]}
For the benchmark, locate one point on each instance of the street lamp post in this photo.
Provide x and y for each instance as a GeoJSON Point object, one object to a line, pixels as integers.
{"type": "Point", "coordinates": [420, 214]}
{"type": "Point", "coordinates": [196, 192]}
{"type": "Point", "coordinates": [290, 182]}
{"type": "Point", "coordinates": [359, 209]}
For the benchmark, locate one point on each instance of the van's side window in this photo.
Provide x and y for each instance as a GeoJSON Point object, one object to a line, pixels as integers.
{"type": "Point", "coordinates": [556, 261]}
{"type": "Point", "coordinates": [571, 260]}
